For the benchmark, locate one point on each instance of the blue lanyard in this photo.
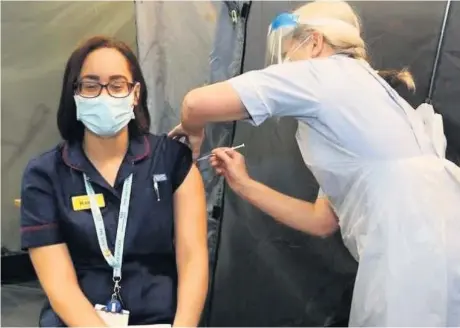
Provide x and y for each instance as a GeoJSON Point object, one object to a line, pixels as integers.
{"type": "Point", "coordinates": [114, 261]}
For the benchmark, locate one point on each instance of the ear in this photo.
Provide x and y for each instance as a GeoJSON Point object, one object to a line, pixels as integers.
{"type": "Point", "coordinates": [318, 44]}
{"type": "Point", "coordinates": [137, 94]}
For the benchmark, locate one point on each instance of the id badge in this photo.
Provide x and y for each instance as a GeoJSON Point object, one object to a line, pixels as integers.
{"type": "Point", "coordinates": [112, 319]}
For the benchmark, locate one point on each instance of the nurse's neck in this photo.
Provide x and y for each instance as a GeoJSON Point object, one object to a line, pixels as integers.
{"type": "Point", "coordinates": [100, 149]}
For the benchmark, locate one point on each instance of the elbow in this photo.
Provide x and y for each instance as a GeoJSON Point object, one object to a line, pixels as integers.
{"type": "Point", "coordinates": [195, 263]}
{"type": "Point", "coordinates": [195, 271]}
{"type": "Point", "coordinates": [200, 264]}
{"type": "Point", "coordinates": [190, 105]}
{"type": "Point", "coordinates": [59, 296]}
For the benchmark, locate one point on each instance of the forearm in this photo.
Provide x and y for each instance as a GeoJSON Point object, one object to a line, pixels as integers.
{"type": "Point", "coordinates": [295, 213]}
{"type": "Point", "coordinates": [57, 276]}
{"type": "Point", "coordinates": [192, 291]}
{"type": "Point", "coordinates": [72, 306]}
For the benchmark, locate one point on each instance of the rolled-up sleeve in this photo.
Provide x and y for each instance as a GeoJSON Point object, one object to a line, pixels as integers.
{"type": "Point", "coordinates": [291, 89]}
{"type": "Point", "coordinates": [180, 159]}
{"type": "Point", "coordinates": [39, 225]}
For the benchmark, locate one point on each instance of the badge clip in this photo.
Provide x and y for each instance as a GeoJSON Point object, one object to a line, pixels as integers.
{"type": "Point", "coordinates": [158, 178]}
{"type": "Point", "coordinates": [115, 305]}
{"type": "Point", "coordinates": [157, 190]}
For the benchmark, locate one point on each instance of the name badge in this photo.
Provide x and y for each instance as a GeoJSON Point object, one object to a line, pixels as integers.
{"type": "Point", "coordinates": [81, 203]}
{"type": "Point", "coordinates": [112, 319]}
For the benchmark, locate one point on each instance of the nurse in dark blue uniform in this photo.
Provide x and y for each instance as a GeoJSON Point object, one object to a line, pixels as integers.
{"type": "Point", "coordinates": [113, 213]}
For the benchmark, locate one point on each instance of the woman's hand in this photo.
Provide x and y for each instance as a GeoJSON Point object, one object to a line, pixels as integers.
{"type": "Point", "coordinates": [230, 164]}
{"type": "Point", "coordinates": [325, 213]}
{"type": "Point", "coordinates": [194, 138]}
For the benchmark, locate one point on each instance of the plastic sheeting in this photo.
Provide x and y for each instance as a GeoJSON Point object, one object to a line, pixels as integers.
{"type": "Point", "coordinates": [175, 40]}
{"type": "Point", "coordinates": [183, 45]}
{"type": "Point", "coordinates": [269, 275]}
{"type": "Point", "coordinates": [37, 39]}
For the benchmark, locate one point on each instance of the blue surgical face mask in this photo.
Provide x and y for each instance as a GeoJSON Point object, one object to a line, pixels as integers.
{"type": "Point", "coordinates": [104, 115]}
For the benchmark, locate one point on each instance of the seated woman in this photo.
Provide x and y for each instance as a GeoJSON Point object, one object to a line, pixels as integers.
{"type": "Point", "coordinates": [141, 240]}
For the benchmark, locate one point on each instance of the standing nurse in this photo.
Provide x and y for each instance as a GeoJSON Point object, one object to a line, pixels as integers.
{"type": "Point", "coordinates": [380, 165]}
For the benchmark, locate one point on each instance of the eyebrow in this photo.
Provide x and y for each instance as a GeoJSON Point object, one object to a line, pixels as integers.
{"type": "Point", "coordinates": [97, 78]}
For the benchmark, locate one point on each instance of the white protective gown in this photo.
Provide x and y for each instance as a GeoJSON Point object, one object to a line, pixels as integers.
{"type": "Point", "coordinates": [382, 165]}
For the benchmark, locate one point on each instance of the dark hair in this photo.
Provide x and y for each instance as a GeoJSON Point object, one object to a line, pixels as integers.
{"type": "Point", "coordinates": [72, 130]}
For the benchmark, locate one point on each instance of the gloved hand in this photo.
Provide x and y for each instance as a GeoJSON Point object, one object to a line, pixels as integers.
{"type": "Point", "coordinates": [195, 139]}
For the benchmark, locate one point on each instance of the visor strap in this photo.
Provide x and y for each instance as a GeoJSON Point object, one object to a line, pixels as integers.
{"type": "Point", "coordinates": [298, 46]}
{"type": "Point", "coordinates": [330, 22]}
{"type": "Point", "coordinates": [280, 60]}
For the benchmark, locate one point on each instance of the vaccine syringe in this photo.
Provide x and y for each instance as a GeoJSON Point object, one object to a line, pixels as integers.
{"type": "Point", "coordinates": [210, 154]}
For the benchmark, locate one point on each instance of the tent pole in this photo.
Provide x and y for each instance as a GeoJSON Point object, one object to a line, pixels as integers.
{"type": "Point", "coordinates": [438, 52]}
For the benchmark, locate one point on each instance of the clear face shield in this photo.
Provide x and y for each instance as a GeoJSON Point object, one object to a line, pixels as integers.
{"type": "Point", "coordinates": [285, 36]}
{"type": "Point", "coordinates": [279, 38]}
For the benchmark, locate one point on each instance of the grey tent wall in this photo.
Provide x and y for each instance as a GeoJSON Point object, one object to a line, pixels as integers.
{"type": "Point", "coordinates": [267, 274]}
{"type": "Point", "coordinates": [447, 87]}
{"type": "Point", "coordinates": [407, 34]}
{"type": "Point", "coordinates": [174, 41]}
{"type": "Point", "coordinates": [226, 61]}
{"type": "Point", "coordinates": [183, 45]}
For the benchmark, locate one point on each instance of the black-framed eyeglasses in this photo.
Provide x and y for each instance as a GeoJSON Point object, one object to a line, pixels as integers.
{"type": "Point", "coordinates": [92, 89]}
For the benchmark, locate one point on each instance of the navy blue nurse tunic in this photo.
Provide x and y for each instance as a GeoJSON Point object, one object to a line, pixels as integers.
{"type": "Point", "coordinates": [149, 282]}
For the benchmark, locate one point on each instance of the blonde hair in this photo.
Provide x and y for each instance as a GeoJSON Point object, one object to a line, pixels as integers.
{"type": "Point", "coordinates": [342, 40]}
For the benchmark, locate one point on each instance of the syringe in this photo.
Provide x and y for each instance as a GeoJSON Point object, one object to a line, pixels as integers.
{"type": "Point", "coordinates": [210, 154]}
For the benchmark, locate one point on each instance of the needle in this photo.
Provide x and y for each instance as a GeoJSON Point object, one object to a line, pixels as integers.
{"type": "Point", "coordinates": [210, 154]}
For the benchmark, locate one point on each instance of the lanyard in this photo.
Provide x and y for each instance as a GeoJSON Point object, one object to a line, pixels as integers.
{"type": "Point", "coordinates": [114, 261]}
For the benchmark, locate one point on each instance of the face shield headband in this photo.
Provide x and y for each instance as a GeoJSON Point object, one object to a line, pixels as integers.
{"type": "Point", "coordinates": [281, 31]}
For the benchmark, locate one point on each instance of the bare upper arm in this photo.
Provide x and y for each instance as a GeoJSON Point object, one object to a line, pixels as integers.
{"type": "Point", "coordinates": [190, 215]}
{"type": "Point", "coordinates": [54, 267]}
{"type": "Point", "coordinates": [292, 89]}
{"type": "Point", "coordinates": [214, 103]}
